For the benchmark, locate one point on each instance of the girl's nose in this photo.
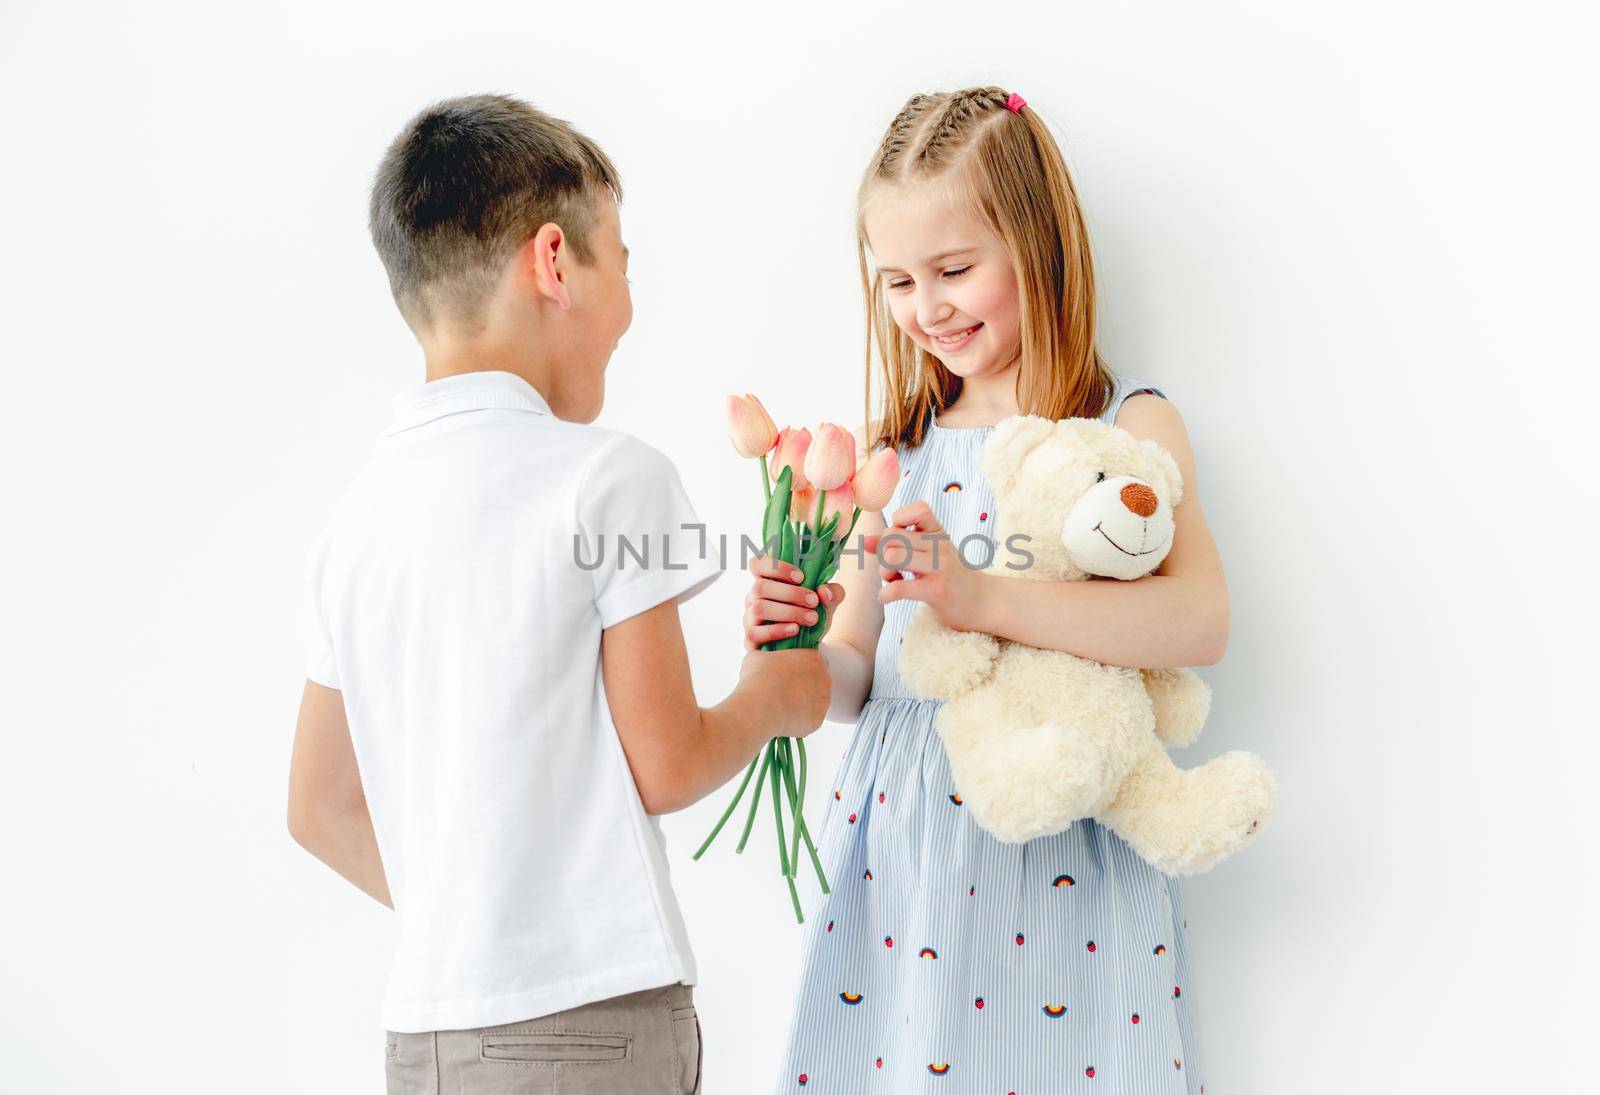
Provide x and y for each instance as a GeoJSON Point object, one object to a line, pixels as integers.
{"type": "Point", "coordinates": [1139, 498]}
{"type": "Point", "coordinates": [931, 312]}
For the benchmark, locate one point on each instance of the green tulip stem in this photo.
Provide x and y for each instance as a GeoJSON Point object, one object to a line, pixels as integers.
{"type": "Point", "coordinates": [755, 799]}
{"type": "Point", "coordinates": [766, 480]}
{"type": "Point", "coordinates": [797, 805]}
{"type": "Point", "coordinates": [726, 814]}
{"type": "Point", "coordinates": [800, 748]}
{"type": "Point", "coordinates": [778, 772]}
{"type": "Point", "coordinates": [805, 833]}
{"type": "Point", "coordinates": [794, 899]}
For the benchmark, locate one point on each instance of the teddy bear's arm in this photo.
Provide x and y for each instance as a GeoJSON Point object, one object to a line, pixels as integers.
{"type": "Point", "coordinates": [942, 663]}
{"type": "Point", "coordinates": [1181, 701]}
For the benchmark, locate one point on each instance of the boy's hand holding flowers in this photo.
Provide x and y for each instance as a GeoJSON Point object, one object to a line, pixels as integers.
{"type": "Point", "coordinates": [778, 604]}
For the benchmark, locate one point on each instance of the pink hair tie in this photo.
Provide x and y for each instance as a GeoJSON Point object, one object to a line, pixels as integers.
{"type": "Point", "coordinates": [1015, 103]}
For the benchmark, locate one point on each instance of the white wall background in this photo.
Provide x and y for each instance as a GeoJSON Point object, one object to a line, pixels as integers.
{"type": "Point", "coordinates": [1355, 242]}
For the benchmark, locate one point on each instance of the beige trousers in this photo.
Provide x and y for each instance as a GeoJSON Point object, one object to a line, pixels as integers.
{"type": "Point", "coordinates": [644, 1043]}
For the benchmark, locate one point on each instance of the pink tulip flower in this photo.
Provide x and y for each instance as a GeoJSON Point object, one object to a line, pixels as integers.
{"type": "Point", "coordinates": [803, 505]}
{"type": "Point", "coordinates": [840, 500]}
{"type": "Point", "coordinates": [792, 448]}
{"type": "Point", "coordinates": [750, 426]}
{"type": "Point", "coordinates": [831, 459]}
{"type": "Point", "coordinates": [876, 479]}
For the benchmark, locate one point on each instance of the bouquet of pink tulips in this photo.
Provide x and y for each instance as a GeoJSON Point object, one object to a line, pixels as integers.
{"type": "Point", "coordinates": [809, 487]}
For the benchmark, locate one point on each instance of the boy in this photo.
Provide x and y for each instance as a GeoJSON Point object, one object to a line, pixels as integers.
{"type": "Point", "coordinates": [492, 716]}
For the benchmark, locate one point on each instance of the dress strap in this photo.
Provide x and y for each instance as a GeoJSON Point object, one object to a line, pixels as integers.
{"type": "Point", "coordinates": [1126, 387]}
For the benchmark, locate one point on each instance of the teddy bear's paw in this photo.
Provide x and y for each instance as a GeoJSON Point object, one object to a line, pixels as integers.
{"type": "Point", "coordinates": [1243, 796]}
{"type": "Point", "coordinates": [1187, 822]}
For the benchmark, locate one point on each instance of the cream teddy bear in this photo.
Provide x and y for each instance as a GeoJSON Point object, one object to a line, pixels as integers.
{"type": "Point", "coordinates": [1038, 738]}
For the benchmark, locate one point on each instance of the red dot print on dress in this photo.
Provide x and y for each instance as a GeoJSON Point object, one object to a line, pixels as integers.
{"type": "Point", "coordinates": [868, 874]}
{"type": "Point", "coordinates": [983, 516]}
{"type": "Point", "coordinates": [978, 1003]}
{"type": "Point", "coordinates": [830, 925]}
{"type": "Point", "coordinates": [971, 890]}
{"type": "Point", "coordinates": [881, 797]}
{"type": "Point", "coordinates": [852, 819]}
{"type": "Point", "coordinates": [888, 941]}
{"type": "Point", "coordinates": [1176, 992]}
{"type": "Point", "coordinates": [1019, 939]}
{"type": "Point", "coordinates": [803, 1079]}
{"type": "Point", "coordinates": [1089, 1072]}
{"type": "Point", "coordinates": [1091, 946]}
{"type": "Point", "coordinates": [1135, 1019]}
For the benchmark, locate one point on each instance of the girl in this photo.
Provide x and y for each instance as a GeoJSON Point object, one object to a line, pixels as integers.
{"type": "Point", "coordinates": [944, 959]}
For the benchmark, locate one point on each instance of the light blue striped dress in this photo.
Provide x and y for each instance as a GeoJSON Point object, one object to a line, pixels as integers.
{"type": "Point", "coordinates": [946, 961]}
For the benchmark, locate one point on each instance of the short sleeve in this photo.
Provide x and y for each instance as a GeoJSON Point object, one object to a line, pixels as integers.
{"type": "Point", "coordinates": [320, 664]}
{"type": "Point", "coordinates": [642, 542]}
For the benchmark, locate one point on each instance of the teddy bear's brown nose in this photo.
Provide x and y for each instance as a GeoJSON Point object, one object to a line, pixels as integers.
{"type": "Point", "coordinates": [1139, 498]}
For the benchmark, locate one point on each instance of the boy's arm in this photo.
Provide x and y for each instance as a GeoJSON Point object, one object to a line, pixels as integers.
{"type": "Point", "coordinates": [680, 752]}
{"type": "Point", "coordinates": [327, 809]}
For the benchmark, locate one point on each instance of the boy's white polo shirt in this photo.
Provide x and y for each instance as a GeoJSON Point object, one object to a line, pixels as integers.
{"type": "Point", "coordinates": [459, 609]}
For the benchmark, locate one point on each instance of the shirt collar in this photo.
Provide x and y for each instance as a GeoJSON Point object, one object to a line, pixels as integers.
{"type": "Point", "coordinates": [477, 391]}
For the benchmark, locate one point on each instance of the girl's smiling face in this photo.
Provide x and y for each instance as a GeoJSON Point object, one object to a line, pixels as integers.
{"type": "Point", "coordinates": [948, 280]}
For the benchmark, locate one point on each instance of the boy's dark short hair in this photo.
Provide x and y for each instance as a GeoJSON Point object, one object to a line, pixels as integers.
{"type": "Point", "coordinates": [467, 182]}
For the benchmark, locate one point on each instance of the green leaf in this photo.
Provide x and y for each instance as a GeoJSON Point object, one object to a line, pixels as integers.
{"type": "Point", "coordinates": [777, 510]}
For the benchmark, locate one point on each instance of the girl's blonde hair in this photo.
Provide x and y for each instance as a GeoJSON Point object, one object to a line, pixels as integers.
{"type": "Point", "coordinates": [1007, 168]}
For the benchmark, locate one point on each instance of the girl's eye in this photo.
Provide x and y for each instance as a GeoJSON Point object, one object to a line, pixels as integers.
{"type": "Point", "coordinates": [905, 283]}
{"type": "Point", "coordinates": [1101, 478]}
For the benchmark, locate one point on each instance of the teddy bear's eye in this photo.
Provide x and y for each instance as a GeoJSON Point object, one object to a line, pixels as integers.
{"type": "Point", "coordinates": [1101, 478]}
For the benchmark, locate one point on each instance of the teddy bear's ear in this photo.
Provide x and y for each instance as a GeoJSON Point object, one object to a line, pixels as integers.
{"type": "Point", "coordinates": [1162, 461]}
{"type": "Point", "coordinates": [1008, 447]}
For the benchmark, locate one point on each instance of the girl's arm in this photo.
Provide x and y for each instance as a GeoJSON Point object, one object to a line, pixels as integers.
{"type": "Point", "coordinates": [852, 640]}
{"type": "Point", "coordinates": [1176, 617]}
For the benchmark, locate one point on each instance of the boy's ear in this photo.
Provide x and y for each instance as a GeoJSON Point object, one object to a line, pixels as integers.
{"type": "Point", "coordinates": [546, 256]}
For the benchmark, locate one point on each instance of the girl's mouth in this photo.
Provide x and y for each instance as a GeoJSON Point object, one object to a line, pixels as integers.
{"type": "Point", "coordinates": [957, 340]}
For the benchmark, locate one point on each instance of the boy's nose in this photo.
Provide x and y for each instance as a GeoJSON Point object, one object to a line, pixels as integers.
{"type": "Point", "coordinates": [1139, 498]}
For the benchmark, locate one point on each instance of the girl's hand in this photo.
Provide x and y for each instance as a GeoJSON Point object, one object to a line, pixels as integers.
{"type": "Point", "coordinates": [916, 542]}
{"type": "Point", "coordinates": [777, 605]}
